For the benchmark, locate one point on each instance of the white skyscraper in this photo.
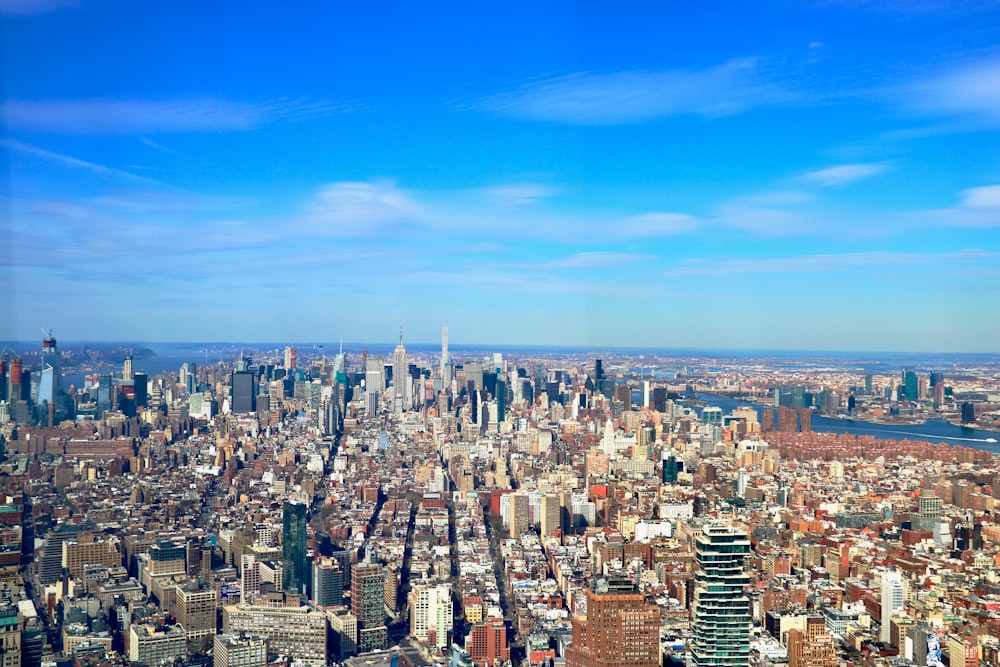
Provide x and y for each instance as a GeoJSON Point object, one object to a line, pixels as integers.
{"type": "Point", "coordinates": [445, 371]}
{"type": "Point", "coordinates": [892, 601]}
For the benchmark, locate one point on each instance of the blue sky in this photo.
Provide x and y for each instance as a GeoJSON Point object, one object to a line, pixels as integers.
{"type": "Point", "coordinates": [786, 175]}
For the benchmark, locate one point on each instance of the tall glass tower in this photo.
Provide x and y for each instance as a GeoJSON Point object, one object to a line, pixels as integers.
{"type": "Point", "coordinates": [721, 604]}
{"type": "Point", "coordinates": [293, 547]}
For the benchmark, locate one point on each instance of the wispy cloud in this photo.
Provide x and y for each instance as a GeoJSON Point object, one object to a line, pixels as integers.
{"type": "Point", "coordinates": [152, 144]}
{"type": "Point", "coordinates": [357, 209]}
{"type": "Point", "coordinates": [657, 224]}
{"type": "Point", "coordinates": [831, 263]}
{"type": "Point", "coordinates": [968, 90]}
{"type": "Point", "coordinates": [75, 163]}
{"type": "Point", "coordinates": [139, 116]}
{"type": "Point", "coordinates": [589, 98]}
{"type": "Point", "coordinates": [598, 260]}
{"type": "Point", "coordinates": [977, 207]}
{"type": "Point", "coordinates": [33, 7]}
{"type": "Point", "coordinates": [843, 174]}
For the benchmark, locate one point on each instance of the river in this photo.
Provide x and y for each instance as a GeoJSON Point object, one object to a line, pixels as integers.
{"type": "Point", "coordinates": [933, 430]}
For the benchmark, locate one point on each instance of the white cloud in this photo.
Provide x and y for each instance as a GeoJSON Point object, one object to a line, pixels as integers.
{"type": "Point", "coordinates": [588, 98]}
{"type": "Point", "coordinates": [986, 197]}
{"type": "Point", "coordinates": [977, 207]}
{"type": "Point", "coordinates": [843, 174]}
{"type": "Point", "coordinates": [969, 90]}
{"type": "Point", "coordinates": [359, 209]}
{"type": "Point", "coordinates": [137, 116]}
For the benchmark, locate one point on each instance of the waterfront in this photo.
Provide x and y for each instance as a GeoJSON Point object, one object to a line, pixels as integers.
{"type": "Point", "coordinates": [933, 430]}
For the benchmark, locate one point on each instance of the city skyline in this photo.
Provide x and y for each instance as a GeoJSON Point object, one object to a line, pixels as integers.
{"type": "Point", "coordinates": [772, 176]}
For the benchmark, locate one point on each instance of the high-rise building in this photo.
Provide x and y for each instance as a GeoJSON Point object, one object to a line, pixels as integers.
{"type": "Point", "coordinates": [290, 628]}
{"type": "Point", "coordinates": [368, 605]}
{"type": "Point", "coordinates": [293, 547]}
{"type": "Point", "coordinates": [244, 392]}
{"type": "Point", "coordinates": [551, 514]}
{"type": "Point", "coordinates": [402, 385]}
{"type": "Point", "coordinates": [721, 605]}
{"type": "Point", "coordinates": [431, 615]}
{"type": "Point", "coordinates": [327, 582]}
{"type": "Point", "coordinates": [50, 385]}
{"type": "Point", "coordinates": [445, 371]}
{"type": "Point", "coordinates": [197, 607]}
{"type": "Point", "coordinates": [813, 646]}
{"type": "Point", "coordinates": [519, 514]}
{"type": "Point", "coordinates": [892, 601]}
{"type": "Point", "coordinates": [487, 642]}
{"type": "Point", "coordinates": [910, 385]}
{"type": "Point", "coordinates": [619, 629]}
{"type": "Point", "coordinates": [290, 358]}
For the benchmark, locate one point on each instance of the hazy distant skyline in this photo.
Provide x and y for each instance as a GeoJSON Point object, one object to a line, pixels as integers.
{"type": "Point", "coordinates": [775, 175]}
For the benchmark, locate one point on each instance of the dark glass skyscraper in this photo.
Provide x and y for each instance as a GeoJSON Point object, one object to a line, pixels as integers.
{"type": "Point", "coordinates": [244, 392]}
{"type": "Point", "coordinates": [293, 547]}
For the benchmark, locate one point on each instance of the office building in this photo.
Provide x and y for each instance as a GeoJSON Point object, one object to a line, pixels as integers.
{"type": "Point", "coordinates": [551, 514]}
{"type": "Point", "coordinates": [152, 643]}
{"type": "Point", "coordinates": [813, 646]}
{"type": "Point", "coordinates": [721, 605]}
{"type": "Point", "coordinates": [431, 615]}
{"type": "Point", "coordinates": [487, 642]}
{"type": "Point", "coordinates": [368, 606]}
{"type": "Point", "coordinates": [244, 399]}
{"type": "Point", "coordinates": [240, 650]}
{"type": "Point", "coordinates": [618, 629]}
{"type": "Point", "coordinates": [892, 601]}
{"type": "Point", "coordinates": [327, 582]}
{"type": "Point", "coordinates": [85, 549]}
{"type": "Point", "coordinates": [197, 608]}
{"type": "Point", "coordinates": [295, 570]}
{"type": "Point", "coordinates": [291, 629]}
{"type": "Point", "coordinates": [343, 633]}
{"type": "Point", "coordinates": [519, 514]}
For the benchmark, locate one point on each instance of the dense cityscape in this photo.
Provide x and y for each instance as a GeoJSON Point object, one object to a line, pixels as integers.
{"type": "Point", "coordinates": [499, 334]}
{"type": "Point", "coordinates": [529, 507]}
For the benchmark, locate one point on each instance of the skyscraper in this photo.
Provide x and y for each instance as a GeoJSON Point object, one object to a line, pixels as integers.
{"type": "Point", "coordinates": [721, 605]}
{"type": "Point", "coordinates": [293, 547]}
{"type": "Point", "coordinates": [910, 385]}
{"type": "Point", "coordinates": [368, 605]}
{"type": "Point", "coordinates": [619, 629]}
{"type": "Point", "coordinates": [401, 378]}
{"type": "Point", "coordinates": [551, 515]}
{"type": "Point", "coordinates": [244, 394]}
{"type": "Point", "coordinates": [445, 367]}
{"type": "Point", "coordinates": [892, 601]}
{"type": "Point", "coordinates": [519, 514]}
